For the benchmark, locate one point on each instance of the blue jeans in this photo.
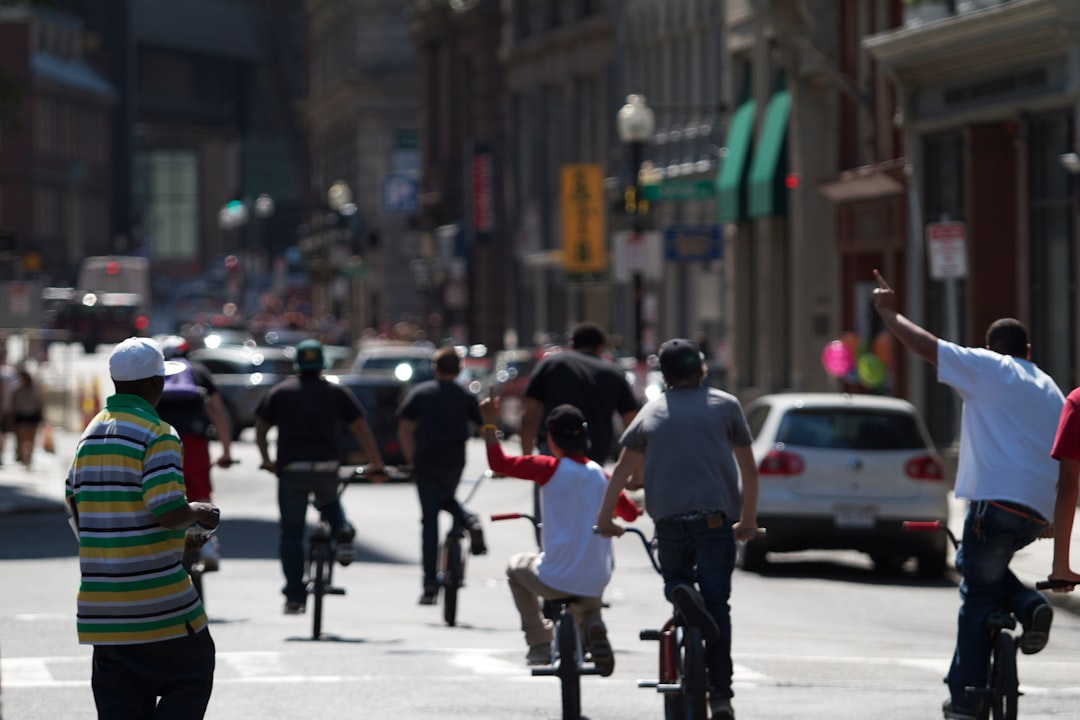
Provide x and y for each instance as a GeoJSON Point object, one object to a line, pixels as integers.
{"type": "Point", "coordinates": [691, 552]}
{"type": "Point", "coordinates": [991, 538]}
{"type": "Point", "coordinates": [436, 488]}
{"type": "Point", "coordinates": [293, 494]}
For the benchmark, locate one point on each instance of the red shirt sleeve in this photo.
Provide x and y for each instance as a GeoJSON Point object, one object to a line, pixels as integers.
{"type": "Point", "coordinates": [626, 508]}
{"type": "Point", "coordinates": [1067, 442]}
{"type": "Point", "coordinates": [538, 468]}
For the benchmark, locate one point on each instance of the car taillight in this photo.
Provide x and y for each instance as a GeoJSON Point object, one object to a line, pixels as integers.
{"type": "Point", "coordinates": [924, 467]}
{"type": "Point", "coordinates": [781, 462]}
{"type": "Point", "coordinates": [142, 322]}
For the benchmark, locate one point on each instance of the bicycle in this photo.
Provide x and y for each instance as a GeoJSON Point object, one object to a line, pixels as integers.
{"type": "Point", "coordinates": [451, 576]}
{"type": "Point", "coordinates": [322, 553]}
{"type": "Point", "coordinates": [1001, 695]}
{"type": "Point", "coordinates": [568, 661]}
{"type": "Point", "coordinates": [682, 676]}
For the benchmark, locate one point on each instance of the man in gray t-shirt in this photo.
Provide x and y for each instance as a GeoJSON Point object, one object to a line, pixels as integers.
{"type": "Point", "coordinates": [691, 445]}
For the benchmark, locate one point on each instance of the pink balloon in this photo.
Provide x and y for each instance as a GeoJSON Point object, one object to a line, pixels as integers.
{"type": "Point", "coordinates": [837, 359]}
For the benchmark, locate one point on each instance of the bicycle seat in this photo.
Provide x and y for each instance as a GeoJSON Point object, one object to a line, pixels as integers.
{"type": "Point", "coordinates": [553, 607]}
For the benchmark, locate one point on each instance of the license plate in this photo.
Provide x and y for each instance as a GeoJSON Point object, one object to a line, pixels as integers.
{"type": "Point", "coordinates": [855, 516]}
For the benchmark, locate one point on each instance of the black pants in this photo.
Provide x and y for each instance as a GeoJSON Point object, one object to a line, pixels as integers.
{"type": "Point", "coordinates": [128, 679]}
{"type": "Point", "coordinates": [436, 488]}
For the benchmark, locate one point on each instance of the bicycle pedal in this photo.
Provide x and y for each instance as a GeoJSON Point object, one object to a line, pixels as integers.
{"type": "Point", "coordinates": [334, 591]}
{"type": "Point", "coordinates": [544, 671]}
{"type": "Point", "coordinates": [650, 635]}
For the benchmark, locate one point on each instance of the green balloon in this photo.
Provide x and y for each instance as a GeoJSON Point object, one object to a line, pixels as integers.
{"type": "Point", "coordinates": [871, 371]}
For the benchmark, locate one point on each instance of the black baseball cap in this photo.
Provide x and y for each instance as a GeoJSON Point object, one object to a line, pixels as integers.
{"type": "Point", "coordinates": [566, 425]}
{"type": "Point", "coordinates": [680, 358]}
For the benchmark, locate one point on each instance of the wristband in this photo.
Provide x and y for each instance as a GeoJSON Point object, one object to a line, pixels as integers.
{"type": "Point", "coordinates": [485, 426]}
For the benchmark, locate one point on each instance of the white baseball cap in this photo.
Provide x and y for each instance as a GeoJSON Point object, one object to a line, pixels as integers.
{"type": "Point", "coordinates": [140, 358]}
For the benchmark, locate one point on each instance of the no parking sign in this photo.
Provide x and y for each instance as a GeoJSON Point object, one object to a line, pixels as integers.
{"type": "Point", "coordinates": [946, 249]}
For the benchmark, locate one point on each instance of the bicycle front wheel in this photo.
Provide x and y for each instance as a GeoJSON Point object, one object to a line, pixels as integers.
{"type": "Point", "coordinates": [693, 674]}
{"type": "Point", "coordinates": [452, 578]}
{"type": "Point", "coordinates": [568, 671]}
{"type": "Point", "coordinates": [1004, 683]}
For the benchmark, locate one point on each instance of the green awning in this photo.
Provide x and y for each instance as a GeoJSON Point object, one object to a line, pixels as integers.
{"type": "Point", "coordinates": [730, 195]}
{"type": "Point", "coordinates": [768, 194]}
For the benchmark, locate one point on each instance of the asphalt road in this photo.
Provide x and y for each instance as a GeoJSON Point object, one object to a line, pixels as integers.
{"type": "Point", "coordinates": [816, 636]}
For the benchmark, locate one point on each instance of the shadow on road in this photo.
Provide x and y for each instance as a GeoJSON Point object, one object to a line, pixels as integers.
{"type": "Point", "coordinates": [819, 566]}
{"type": "Point", "coordinates": [46, 534]}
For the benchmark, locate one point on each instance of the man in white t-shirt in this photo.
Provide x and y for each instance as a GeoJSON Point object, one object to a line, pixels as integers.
{"type": "Point", "coordinates": [1006, 474]}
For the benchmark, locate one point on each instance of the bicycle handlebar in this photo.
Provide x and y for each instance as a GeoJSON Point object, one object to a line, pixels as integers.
{"type": "Point", "coordinates": [512, 516]}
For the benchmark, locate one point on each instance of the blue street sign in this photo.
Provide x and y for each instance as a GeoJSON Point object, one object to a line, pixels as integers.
{"type": "Point", "coordinates": [690, 243]}
{"type": "Point", "coordinates": [400, 195]}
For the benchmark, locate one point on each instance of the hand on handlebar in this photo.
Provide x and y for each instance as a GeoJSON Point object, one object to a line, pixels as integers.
{"type": "Point", "coordinates": [745, 532]}
{"type": "Point", "coordinates": [608, 528]}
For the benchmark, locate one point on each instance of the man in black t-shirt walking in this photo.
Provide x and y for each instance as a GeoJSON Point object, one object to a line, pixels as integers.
{"type": "Point", "coordinates": [582, 378]}
{"type": "Point", "coordinates": [433, 427]}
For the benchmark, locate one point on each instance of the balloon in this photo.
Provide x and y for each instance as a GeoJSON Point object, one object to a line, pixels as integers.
{"type": "Point", "coordinates": [871, 371]}
{"type": "Point", "coordinates": [883, 347]}
{"type": "Point", "coordinates": [837, 359]}
{"type": "Point", "coordinates": [851, 341]}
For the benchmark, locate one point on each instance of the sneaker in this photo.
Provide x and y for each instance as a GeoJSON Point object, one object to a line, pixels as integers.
{"type": "Point", "coordinates": [720, 708]}
{"type": "Point", "coordinates": [477, 546]}
{"type": "Point", "coordinates": [692, 608]}
{"type": "Point", "coordinates": [346, 551]}
{"type": "Point", "coordinates": [294, 608]}
{"type": "Point", "coordinates": [1036, 629]}
{"type": "Point", "coordinates": [539, 654]}
{"type": "Point", "coordinates": [600, 649]}
{"type": "Point", "coordinates": [429, 596]}
{"type": "Point", "coordinates": [210, 555]}
{"type": "Point", "coordinates": [951, 712]}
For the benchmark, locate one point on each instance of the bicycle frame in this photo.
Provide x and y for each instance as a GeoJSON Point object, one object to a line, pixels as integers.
{"type": "Point", "coordinates": [681, 659]}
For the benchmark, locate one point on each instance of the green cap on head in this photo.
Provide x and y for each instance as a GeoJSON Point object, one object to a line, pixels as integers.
{"type": "Point", "coordinates": [309, 355]}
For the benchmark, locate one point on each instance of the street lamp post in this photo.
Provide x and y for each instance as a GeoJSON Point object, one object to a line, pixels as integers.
{"type": "Point", "coordinates": [635, 122]}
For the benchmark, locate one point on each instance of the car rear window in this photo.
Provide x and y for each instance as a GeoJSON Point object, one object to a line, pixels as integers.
{"type": "Point", "coordinates": [849, 430]}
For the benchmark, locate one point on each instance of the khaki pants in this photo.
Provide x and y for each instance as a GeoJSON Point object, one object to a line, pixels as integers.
{"type": "Point", "coordinates": [528, 590]}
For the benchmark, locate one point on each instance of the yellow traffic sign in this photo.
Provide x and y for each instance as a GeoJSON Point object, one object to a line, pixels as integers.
{"type": "Point", "coordinates": [582, 192]}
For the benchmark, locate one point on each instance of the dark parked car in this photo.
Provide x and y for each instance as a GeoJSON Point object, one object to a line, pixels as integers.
{"type": "Point", "coordinates": [380, 397]}
{"type": "Point", "coordinates": [244, 375]}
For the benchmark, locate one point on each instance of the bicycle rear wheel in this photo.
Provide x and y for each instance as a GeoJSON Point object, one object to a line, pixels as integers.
{"type": "Point", "coordinates": [1004, 683]}
{"type": "Point", "coordinates": [452, 578]}
{"type": "Point", "coordinates": [320, 561]}
{"type": "Point", "coordinates": [693, 674]}
{"type": "Point", "coordinates": [568, 670]}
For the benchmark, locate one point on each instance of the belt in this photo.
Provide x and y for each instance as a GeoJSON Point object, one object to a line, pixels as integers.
{"type": "Point", "coordinates": [714, 517]}
{"type": "Point", "coordinates": [1019, 511]}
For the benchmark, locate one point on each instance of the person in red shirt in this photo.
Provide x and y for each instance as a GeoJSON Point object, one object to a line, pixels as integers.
{"type": "Point", "coordinates": [573, 560]}
{"type": "Point", "coordinates": [1066, 451]}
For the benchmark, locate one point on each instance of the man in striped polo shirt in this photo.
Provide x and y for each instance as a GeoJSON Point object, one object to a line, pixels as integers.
{"type": "Point", "coordinates": [136, 604]}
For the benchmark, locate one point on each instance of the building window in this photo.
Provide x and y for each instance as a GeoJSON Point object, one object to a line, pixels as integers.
{"type": "Point", "coordinates": [167, 182]}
